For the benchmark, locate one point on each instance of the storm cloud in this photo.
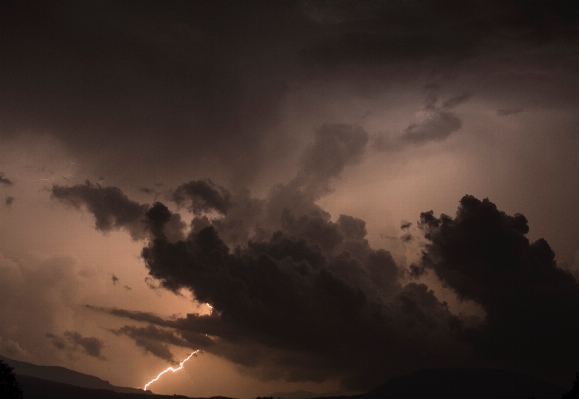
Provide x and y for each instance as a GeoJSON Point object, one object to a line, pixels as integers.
{"type": "Point", "coordinates": [299, 296]}
{"type": "Point", "coordinates": [314, 300]}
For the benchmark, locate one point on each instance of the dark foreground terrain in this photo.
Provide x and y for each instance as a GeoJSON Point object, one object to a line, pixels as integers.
{"type": "Point", "coordinates": [46, 382]}
{"type": "Point", "coordinates": [465, 384]}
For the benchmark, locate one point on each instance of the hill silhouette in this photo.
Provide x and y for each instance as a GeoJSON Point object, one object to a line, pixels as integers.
{"type": "Point", "coordinates": [51, 382]}
{"type": "Point", "coordinates": [36, 388]}
{"type": "Point", "coordinates": [64, 375]}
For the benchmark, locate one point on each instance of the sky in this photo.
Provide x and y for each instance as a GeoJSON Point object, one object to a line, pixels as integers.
{"type": "Point", "coordinates": [316, 195]}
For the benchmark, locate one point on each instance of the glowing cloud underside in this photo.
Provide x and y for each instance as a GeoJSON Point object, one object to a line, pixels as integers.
{"type": "Point", "coordinates": [170, 369]}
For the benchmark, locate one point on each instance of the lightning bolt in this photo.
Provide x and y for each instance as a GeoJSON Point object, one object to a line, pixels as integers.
{"type": "Point", "coordinates": [170, 369]}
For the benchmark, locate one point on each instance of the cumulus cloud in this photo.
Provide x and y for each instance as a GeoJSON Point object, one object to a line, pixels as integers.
{"type": "Point", "coordinates": [72, 341]}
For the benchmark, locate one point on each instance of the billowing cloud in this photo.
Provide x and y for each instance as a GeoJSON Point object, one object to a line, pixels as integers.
{"type": "Point", "coordinates": [314, 300]}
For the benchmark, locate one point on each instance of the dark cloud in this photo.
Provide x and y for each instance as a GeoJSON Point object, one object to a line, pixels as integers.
{"type": "Point", "coordinates": [73, 341]}
{"type": "Point", "coordinates": [9, 200]}
{"type": "Point", "coordinates": [313, 300]}
{"type": "Point", "coordinates": [5, 181]}
{"type": "Point", "coordinates": [301, 297]}
{"type": "Point", "coordinates": [509, 111]}
{"type": "Point", "coordinates": [111, 208]}
{"type": "Point", "coordinates": [308, 302]}
{"type": "Point", "coordinates": [405, 224]}
{"type": "Point", "coordinates": [153, 340]}
{"type": "Point", "coordinates": [532, 305]}
{"type": "Point", "coordinates": [188, 82]}
{"type": "Point", "coordinates": [204, 195]}
{"type": "Point", "coordinates": [115, 279]}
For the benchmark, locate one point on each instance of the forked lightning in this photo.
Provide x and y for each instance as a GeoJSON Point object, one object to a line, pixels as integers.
{"type": "Point", "coordinates": [170, 369]}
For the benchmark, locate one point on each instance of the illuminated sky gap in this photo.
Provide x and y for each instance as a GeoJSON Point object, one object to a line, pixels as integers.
{"type": "Point", "coordinates": [170, 369]}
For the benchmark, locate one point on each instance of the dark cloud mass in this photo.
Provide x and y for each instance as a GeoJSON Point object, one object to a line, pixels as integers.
{"type": "Point", "coordinates": [298, 296]}
{"type": "Point", "coordinates": [532, 305]}
{"type": "Point", "coordinates": [313, 300]}
{"type": "Point", "coordinates": [111, 208]}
